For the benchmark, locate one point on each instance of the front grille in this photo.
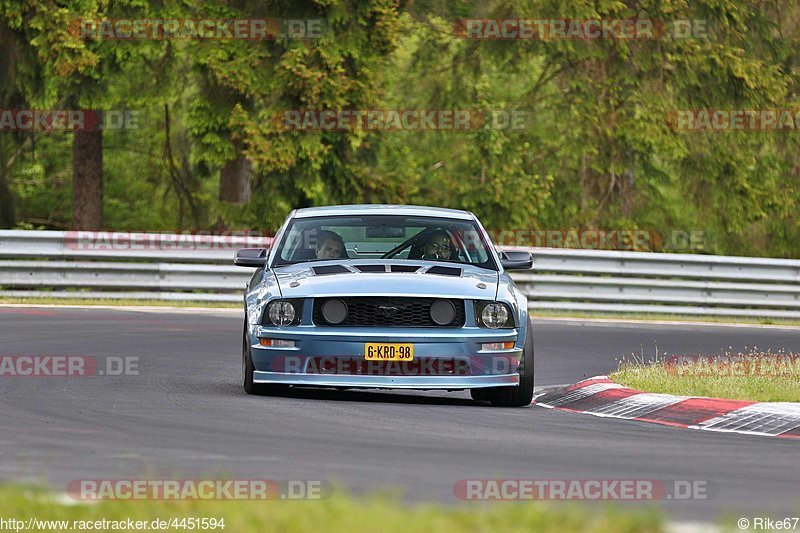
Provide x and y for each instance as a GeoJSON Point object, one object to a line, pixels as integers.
{"type": "Point", "coordinates": [389, 311]}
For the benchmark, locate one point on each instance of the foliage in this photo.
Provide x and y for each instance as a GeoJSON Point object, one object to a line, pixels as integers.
{"type": "Point", "coordinates": [596, 149]}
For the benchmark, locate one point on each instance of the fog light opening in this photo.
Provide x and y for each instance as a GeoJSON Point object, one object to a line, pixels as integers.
{"type": "Point", "coordinates": [498, 345]}
{"type": "Point", "coordinates": [276, 343]}
{"type": "Point", "coordinates": [334, 311]}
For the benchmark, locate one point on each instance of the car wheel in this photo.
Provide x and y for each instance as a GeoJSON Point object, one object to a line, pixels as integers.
{"type": "Point", "coordinates": [513, 396]}
{"type": "Point", "coordinates": [247, 373]}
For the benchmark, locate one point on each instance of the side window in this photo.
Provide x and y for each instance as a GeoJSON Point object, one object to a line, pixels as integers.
{"type": "Point", "coordinates": [472, 246]}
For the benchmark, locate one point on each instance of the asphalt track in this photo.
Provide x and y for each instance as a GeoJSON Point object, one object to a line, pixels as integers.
{"type": "Point", "coordinates": [185, 415]}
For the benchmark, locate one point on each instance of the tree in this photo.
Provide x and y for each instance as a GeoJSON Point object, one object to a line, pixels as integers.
{"type": "Point", "coordinates": [340, 70]}
{"type": "Point", "coordinates": [77, 71]}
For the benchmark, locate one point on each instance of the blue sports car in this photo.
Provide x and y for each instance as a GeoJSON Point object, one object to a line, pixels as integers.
{"type": "Point", "coordinates": [390, 297]}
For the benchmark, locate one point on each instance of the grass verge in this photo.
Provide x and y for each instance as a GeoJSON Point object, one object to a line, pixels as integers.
{"type": "Point", "coordinates": [116, 302]}
{"type": "Point", "coordinates": [755, 376]}
{"type": "Point", "coordinates": [338, 513]}
{"type": "Point", "coordinates": [667, 318]}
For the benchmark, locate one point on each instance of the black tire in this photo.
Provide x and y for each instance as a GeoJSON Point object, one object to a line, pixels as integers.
{"type": "Point", "coordinates": [248, 368]}
{"type": "Point", "coordinates": [513, 396]}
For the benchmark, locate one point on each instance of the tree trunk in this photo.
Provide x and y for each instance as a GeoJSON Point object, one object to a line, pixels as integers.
{"type": "Point", "coordinates": [7, 216]}
{"type": "Point", "coordinates": [236, 181]}
{"type": "Point", "coordinates": [87, 180]}
{"type": "Point", "coordinates": [6, 201]}
{"type": "Point", "coordinates": [6, 204]}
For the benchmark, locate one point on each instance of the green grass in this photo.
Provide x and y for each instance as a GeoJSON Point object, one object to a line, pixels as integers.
{"type": "Point", "coordinates": [342, 513]}
{"type": "Point", "coordinates": [756, 376]}
{"type": "Point", "coordinates": [666, 318]}
{"type": "Point", "coordinates": [117, 302]}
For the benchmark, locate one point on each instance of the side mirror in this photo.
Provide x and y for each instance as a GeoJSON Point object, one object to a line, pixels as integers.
{"type": "Point", "coordinates": [513, 260]}
{"type": "Point", "coordinates": [250, 257]}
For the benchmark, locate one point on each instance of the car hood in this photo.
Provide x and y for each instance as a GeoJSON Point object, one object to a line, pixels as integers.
{"type": "Point", "coordinates": [307, 280]}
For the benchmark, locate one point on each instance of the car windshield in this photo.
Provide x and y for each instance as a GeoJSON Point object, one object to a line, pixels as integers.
{"type": "Point", "coordinates": [384, 237]}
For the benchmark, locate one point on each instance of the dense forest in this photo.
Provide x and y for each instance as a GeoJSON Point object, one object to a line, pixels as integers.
{"type": "Point", "coordinates": [593, 143]}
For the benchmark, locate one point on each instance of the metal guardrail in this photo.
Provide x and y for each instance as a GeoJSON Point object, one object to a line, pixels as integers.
{"type": "Point", "coordinates": [61, 264]}
{"type": "Point", "coordinates": [125, 246]}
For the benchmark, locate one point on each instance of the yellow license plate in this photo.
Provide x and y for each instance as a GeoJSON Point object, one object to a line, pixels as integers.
{"type": "Point", "coordinates": [376, 351]}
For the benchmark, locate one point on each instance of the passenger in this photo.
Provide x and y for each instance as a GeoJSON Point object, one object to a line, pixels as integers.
{"type": "Point", "coordinates": [329, 245]}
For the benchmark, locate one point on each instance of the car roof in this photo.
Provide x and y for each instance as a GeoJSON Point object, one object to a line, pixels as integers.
{"type": "Point", "coordinates": [382, 209]}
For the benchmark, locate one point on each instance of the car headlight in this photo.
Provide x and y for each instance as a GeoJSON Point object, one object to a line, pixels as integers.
{"type": "Point", "coordinates": [494, 315]}
{"type": "Point", "coordinates": [284, 312]}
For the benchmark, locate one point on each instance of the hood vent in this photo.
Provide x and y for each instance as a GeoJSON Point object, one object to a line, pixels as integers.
{"type": "Point", "coordinates": [327, 270]}
{"type": "Point", "coordinates": [405, 268]}
{"type": "Point", "coordinates": [371, 268]}
{"type": "Point", "coordinates": [444, 271]}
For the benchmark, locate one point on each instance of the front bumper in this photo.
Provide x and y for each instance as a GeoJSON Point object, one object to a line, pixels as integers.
{"type": "Point", "coordinates": [462, 364]}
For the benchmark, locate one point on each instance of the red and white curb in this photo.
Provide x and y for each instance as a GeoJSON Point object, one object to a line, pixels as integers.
{"type": "Point", "coordinates": [599, 396]}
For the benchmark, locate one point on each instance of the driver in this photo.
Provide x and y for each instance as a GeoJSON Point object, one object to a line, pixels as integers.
{"type": "Point", "coordinates": [329, 245]}
{"type": "Point", "coordinates": [438, 246]}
